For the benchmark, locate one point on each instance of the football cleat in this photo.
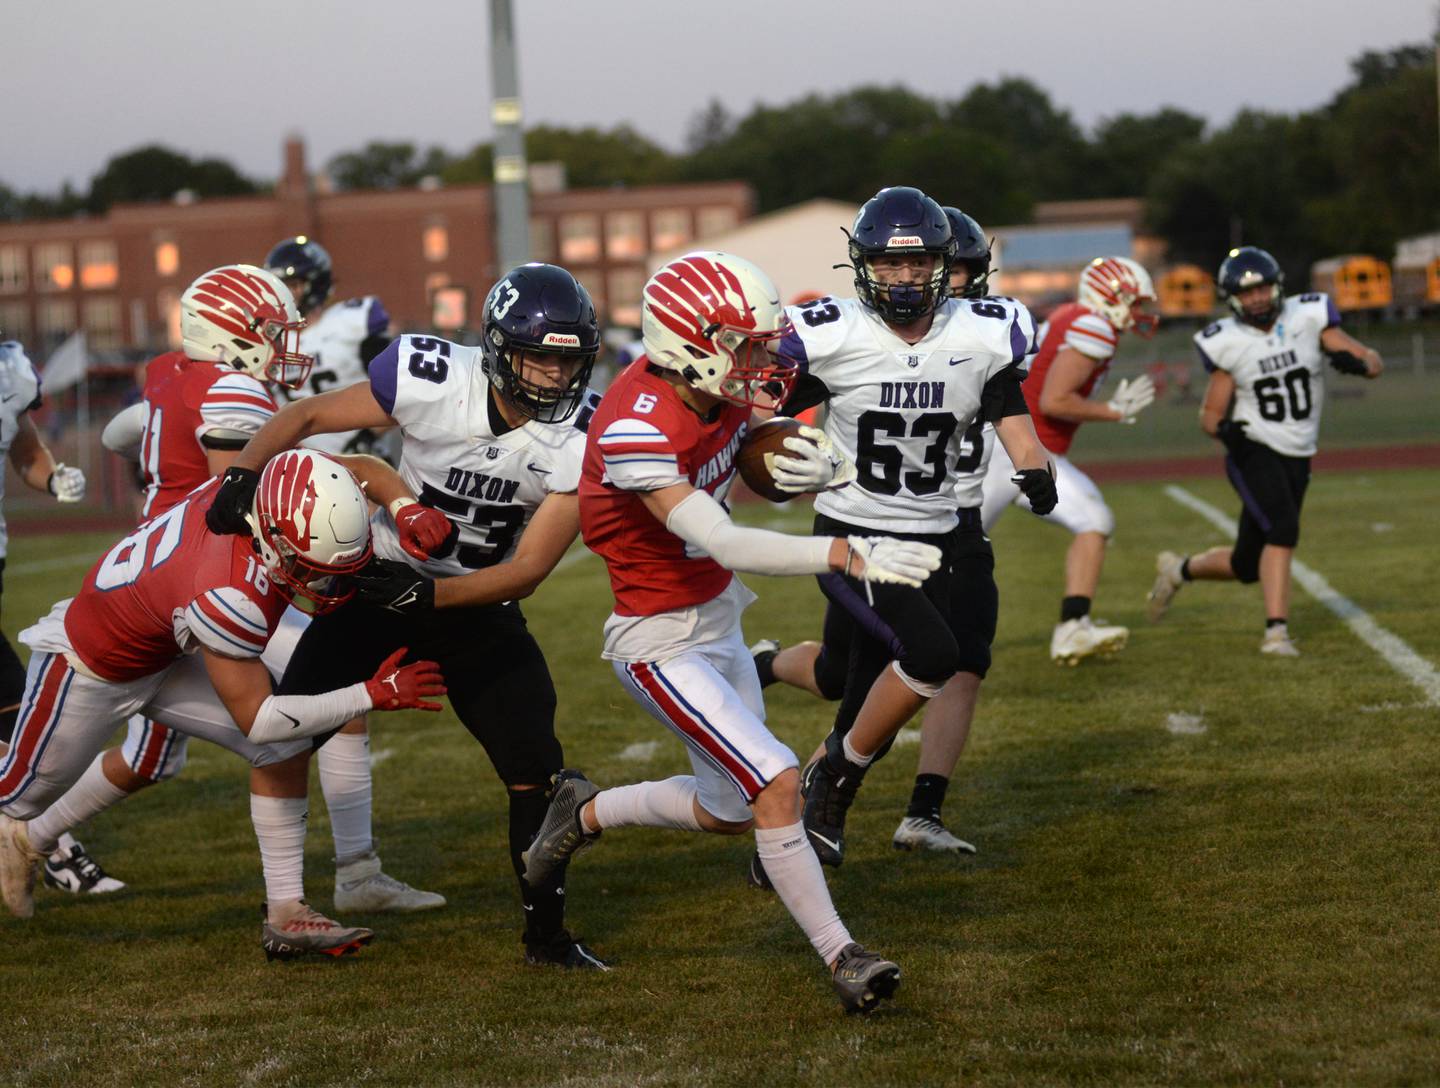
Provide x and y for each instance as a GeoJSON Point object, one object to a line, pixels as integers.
{"type": "Point", "coordinates": [562, 950]}
{"type": "Point", "coordinates": [361, 886]}
{"type": "Point", "coordinates": [298, 929]}
{"type": "Point", "coordinates": [756, 876]}
{"type": "Point", "coordinates": [763, 653]}
{"type": "Point", "coordinates": [1277, 643]}
{"type": "Point", "coordinates": [560, 834]}
{"type": "Point", "coordinates": [1075, 640]}
{"type": "Point", "coordinates": [1168, 582]}
{"type": "Point", "coordinates": [17, 867]}
{"type": "Point", "coordinates": [827, 799]}
{"type": "Point", "coordinates": [862, 979]}
{"type": "Point", "coordinates": [75, 871]}
{"type": "Point", "coordinates": [928, 833]}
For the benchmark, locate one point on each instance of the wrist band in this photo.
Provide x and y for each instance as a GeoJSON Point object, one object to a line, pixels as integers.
{"type": "Point", "coordinates": [399, 504]}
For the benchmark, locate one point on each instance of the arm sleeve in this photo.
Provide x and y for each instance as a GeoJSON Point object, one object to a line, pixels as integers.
{"type": "Point", "coordinates": [235, 403]}
{"type": "Point", "coordinates": [808, 391]}
{"type": "Point", "coordinates": [638, 456]}
{"type": "Point", "coordinates": [1002, 396]}
{"type": "Point", "coordinates": [290, 717]}
{"type": "Point", "coordinates": [123, 433]}
{"type": "Point", "coordinates": [703, 523]}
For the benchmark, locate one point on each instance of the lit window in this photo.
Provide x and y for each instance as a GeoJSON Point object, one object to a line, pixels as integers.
{"type": "Point", "coordinates": [624, 286]}
{"type": "Point", "coordinates": [12, 269]}
{"type": "Point", "coordinates": [579, 238]}
{"type": "Point", "coordinates": [53, 270]}
{"type": "Point", "coordinates": [713, 221]}
{"type": "Point", "coordinates": [669, 228]}
{"type": "Point", "coordinates": [15, 321]}
{"type": "Point", "coordinates": [102, 323]}
{"type": "Point", "coordinates": [57, 321]}
{"type": "Point", "coordinates": [168, 303]}
{"type": "Point", "coordinates": [542, 239]}
{"type": "Point", "coordinates": [449, 307]}
{"type": "Point", "coordinates": [99, 265]}
{"type": "Point", "coordinates": [625, 236]}
{"type": "Point", "coordinates": [436, 243]}
{"type": "Point", "coordinates": [167, 259]}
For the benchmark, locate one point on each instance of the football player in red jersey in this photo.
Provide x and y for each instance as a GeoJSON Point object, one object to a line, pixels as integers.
{"type": "Point", "coordinates": [1076, 346]}
{"type": "Point", "coordinates": [171, 622]}
{"type": "Point", "coordinates": [659, 459]}
{"type": "Point", "coordinates": [200, 407]}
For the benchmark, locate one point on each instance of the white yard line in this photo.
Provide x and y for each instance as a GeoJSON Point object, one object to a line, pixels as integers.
{"type": "Point", "coordinates": [55, 562]}
{"type": "Point", "coordinates": [1397, 653]}
{"type": "Point", "coordinates": [377, 758]}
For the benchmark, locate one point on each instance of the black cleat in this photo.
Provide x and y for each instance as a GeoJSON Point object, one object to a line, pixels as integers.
{"type": "Point", "coordinates": [827, 799]}
{"type": "Point", "coordinates": [562, 950]}
{"type": "Point", "coordinates": [863, 979]}
{"type": "Point", "coordinates": [757, 877]}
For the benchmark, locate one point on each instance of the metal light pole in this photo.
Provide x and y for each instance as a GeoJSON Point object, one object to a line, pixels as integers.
{"type": "Point", "coordinates": [512, 196]}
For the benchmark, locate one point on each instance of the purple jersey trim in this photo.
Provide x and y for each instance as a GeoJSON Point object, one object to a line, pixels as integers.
{"type": "Point", "coordinates": [793, 348]}
{"type": "Point", "coordinates": [1019, 342]}
{"type": "Point", "coordinates": [1332, 315]}
{"type": "Point", "coordinates": [378, 319]}
{"type": "Point", "coordinates": [1205, 360]}
{"type": "Point", "coordinates": [383, 376]}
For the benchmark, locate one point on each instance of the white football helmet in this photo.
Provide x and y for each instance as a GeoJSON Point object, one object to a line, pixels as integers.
{"type": "Point", "coordinates": [1117, 288]}
{"type": "Point", "coordinates": [246, 317]}
{"type": "Point", "coordinates": [311, 522]}
{"type": "Point", "coordinates": [712, 318]}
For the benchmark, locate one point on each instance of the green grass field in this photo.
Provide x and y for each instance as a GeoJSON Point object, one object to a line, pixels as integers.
{"type": "Point", "coordinates": [1251, 903]}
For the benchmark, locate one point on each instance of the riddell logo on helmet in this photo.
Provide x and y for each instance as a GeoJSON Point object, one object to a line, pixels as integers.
{"type": "Point", "coordinates": [560, 340]}
{"type": "Point", "coordinates": [897, 240]}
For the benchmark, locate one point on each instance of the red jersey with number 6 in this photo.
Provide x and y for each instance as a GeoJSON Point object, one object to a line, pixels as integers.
{"type": "Point", "coordinates": [169, 588]}
{"type": "Point", "coordinates": [185, 400]}
{"type": "Point", "coordinates": [1083, 330]}
{"type": "Point", "coordinates": [644, 437]}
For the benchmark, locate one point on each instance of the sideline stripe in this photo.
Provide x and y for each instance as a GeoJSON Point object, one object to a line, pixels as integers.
{"type": "Point", "coordinates": [55, 562]}
{"type": "Point", "coordinates": [1396, 652]}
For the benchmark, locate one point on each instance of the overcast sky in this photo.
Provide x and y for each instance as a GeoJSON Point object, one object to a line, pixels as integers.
{"type": "Point", "coordinates": [86, 79]}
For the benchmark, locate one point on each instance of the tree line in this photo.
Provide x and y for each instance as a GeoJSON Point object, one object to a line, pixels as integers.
{"type": "Point", "coordinates": [1356, 174]}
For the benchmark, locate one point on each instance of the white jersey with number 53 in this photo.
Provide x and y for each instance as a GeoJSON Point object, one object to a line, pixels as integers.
{"type": "Point", "coordinates": [903, 412]}
{"type": "Point", "coordinates": [1279, 374]}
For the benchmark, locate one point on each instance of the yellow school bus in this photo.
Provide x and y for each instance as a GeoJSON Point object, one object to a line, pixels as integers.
{"type": "Point", "coordinates": [1417, 284]}
{"type": "Point", "coordinates": [1186, 290]}
{"type": "Point", "coordinates": [1355, 281]}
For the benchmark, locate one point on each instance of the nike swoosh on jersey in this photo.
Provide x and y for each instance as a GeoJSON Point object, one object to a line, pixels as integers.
{"type": "Point", "coordinates": [533, 467]}
{"type": "Point", "coordinates": [962, 359]}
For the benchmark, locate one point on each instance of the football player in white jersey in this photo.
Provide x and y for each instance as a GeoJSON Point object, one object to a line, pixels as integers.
{"type": "Point", "coordinates": [493, 438]}
{"type": "Point", "coordinates": [1267, 374]}
{"type": "Point", "coordinates": [36, 465]}
{"type": "Point", "coordinates": [905, 371]}
{"type": "Point", "coordinates": [342, 338]}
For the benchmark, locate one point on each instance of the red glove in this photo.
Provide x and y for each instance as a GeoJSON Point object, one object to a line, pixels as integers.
{"type": "Point", "coordinates": [394, 687]}
{"type": "Point", "coordinates": [424, 531]}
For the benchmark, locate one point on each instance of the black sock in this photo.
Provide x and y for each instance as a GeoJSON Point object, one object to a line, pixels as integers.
{"type": "Point", "coordinates": [1275, 621]}
{"type": "Point", "coordinates": [765, 667]}
{"type": "Point", "coordinates": [545, 905]}
{"type": "Point", "coordinates": [1074, 608]}
{"type": "Point", "coordinates": [928, 796]}
{"type": "Point", "coordinates": [1185, 575]}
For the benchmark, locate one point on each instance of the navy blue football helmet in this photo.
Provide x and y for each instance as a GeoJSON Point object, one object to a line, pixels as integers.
{"type": "Point", "coordinates": [304, 259]}
{"type": "Point", "coordinates": [539, 307]}
{"type": "Point", "coordinates": [899, 220]}
{"type": "Point", "coordinates": [1249, 267]}
{"type": "Point", "coordinates": [972, 252]}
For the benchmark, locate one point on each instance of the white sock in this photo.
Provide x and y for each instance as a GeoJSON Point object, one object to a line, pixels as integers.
{"type": "Point", "coordinates": [344, 762]}
{"type": "Point", "coordinates": [92, 794]}
{"type": "Point", "coordinates": [280, 829]}
{"type": "Point", "coordinates": [854, 756]}
{"type": "Point", "coordinates": [795, 871]}
{"type": "Point", "coordinates": [670, 803]}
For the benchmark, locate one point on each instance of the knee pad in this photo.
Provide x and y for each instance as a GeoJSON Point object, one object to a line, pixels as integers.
{"type": "Point", "coordinates": [830, 674]}
{"type": "Point", "coordinates": [924, 688]}
{"type": "Point", "coordinates": [930, 665]}
{"type": "Point", "coordinates": [974, 656]}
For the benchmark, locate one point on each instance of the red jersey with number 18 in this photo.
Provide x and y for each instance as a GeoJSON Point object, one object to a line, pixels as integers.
{"type": "Point", "coordinates": [169, 588]}
{"type": "Point", "coordinates": [644, 437]}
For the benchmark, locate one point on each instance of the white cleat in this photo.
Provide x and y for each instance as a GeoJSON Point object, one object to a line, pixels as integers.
{"type": "Point", "coordinates": [18, 866]}
{"type": "Point", "coordinates": [361, 886]}
{"type": "Point", "coordinates": [1075, 640]}
{"type": "Point", "coordinates": [1277, 643]}
{"type": "Point", "coordinates": [1168, 582]}
{"type": "Point", "coordinates": [927, 833]}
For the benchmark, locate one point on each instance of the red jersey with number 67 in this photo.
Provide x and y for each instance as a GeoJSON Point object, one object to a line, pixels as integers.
{"type": "Point", "coordinates": [643, 437]}
{"type": "Point", "coordinates": [185, 400]}
{"type": "Point", "coordinates": [1070, 326]}
{"type": "Point", "coordinates": [169, 588]}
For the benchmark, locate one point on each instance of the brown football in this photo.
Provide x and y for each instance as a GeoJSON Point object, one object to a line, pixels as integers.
{"type": "Point", "coordinates": [768, 438]}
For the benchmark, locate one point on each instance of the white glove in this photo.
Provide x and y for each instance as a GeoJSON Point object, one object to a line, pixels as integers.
{"type": "Point", "coordinates": [1131, 397]}
{"type": "Point", "coordinates": [818, 466]}
{"type": "Point", "coordinates": [66, 484]}
{"type": "Point", "coordinates": [896, 562]}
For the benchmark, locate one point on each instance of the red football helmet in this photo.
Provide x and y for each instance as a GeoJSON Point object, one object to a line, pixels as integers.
{"type": "Point", "coordinates": [246, 317]}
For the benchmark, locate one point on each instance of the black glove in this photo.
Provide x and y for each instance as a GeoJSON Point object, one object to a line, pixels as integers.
{"type": "Point", "coordinates": [231, 508]}
{"type": "Point", "coordinates": [1231, 433]}
{"type": "Point", "coordinates": [397, 587]}
{"type": "Point", "coordinates": [1347, 363]}
{"type": "Point", "coordinates": [1038, 484]}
